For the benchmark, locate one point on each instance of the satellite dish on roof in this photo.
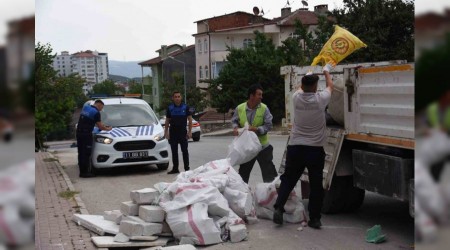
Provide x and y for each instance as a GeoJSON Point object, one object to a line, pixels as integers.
{"type": "Point", "coordinates": [304, 3]}
{"type": "Point", "coordinates": [255, 11]}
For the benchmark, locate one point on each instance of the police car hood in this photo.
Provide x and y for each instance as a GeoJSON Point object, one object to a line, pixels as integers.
{"type": "Point", "coordinates": [143, 132]}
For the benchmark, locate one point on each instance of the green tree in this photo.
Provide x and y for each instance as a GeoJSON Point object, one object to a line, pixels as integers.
{"type": "Point", "coordinates": [430, 77]}
{"type": "Point", "coordinates": [107, 87]}
{"type": "Point", "coordinates": [259, 63]}
{"type": "Point", "coordinates": [386, 26]}
{"type": "Point", "coordinates": [195, 96]}
{"type": "Point", "coordinates": [136, 88]}
{"type": "Point", "coordinates": [56, 97]}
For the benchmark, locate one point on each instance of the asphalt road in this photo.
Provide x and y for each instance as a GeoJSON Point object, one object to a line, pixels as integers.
{"type": "Point", "coordinates": [342, 231]}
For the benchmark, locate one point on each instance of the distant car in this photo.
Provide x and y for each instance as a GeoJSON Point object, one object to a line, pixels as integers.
{"type": "Point", "coordinates": [137, 136]}
{"type": "Point", "coordinates": [196, 130]}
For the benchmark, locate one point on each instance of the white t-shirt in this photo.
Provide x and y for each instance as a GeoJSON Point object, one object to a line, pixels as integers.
{"type": "Point", "coordinates": [309, 118]}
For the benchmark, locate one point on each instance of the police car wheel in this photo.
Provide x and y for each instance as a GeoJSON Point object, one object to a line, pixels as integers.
{"type": "Point", "coordinates": [163, 166]}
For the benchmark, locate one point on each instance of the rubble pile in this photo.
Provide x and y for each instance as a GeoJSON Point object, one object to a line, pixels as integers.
{"type": "Point", "coordinates": [205, 206]}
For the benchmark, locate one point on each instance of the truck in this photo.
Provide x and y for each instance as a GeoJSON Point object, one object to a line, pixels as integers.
{"type": "Point", "coordinates": [371, 148]}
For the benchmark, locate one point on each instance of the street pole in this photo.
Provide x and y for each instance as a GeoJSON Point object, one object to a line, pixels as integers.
{"type": "Point", "coordinates": [184, 77]}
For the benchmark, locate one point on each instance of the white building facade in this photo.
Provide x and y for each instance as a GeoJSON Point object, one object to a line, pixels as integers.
{"type": "Point", "coordinates": [89, 65]}
{"type": "Point", "coordinates": [237, 29]}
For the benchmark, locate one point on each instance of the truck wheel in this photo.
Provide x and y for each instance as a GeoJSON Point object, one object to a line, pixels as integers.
{"type": "Point", "coordinates": [342, 196]}
{"type": "Point", "coordinates": [163, 166]}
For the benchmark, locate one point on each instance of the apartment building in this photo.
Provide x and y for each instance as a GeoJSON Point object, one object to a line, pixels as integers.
{"type": "Point", "coordinates": [237, 30]}
{"type": "Point", "coordinates": [62, 64]}
{"type": "Point", "coordinates": [19, 51]}
{"type": "Point", "coordinates": [431, 30]}
{"type": "Point", "coordinates": [89, 65]}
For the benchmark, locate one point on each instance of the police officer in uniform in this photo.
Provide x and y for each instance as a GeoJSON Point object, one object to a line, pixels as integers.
{"type": "Point", "coordinates": [89, 117]}
{"type": "Point", "coordinates": [175, 130]}
{"type": "Point", "coordinates": [258, 115]}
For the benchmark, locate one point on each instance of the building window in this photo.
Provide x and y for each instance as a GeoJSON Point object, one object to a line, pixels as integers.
{"type": "Point", "coordinates": [206, 45]}
{"type": "Point", "coordinates": [293, 35]}
{"type": "Point", "coordinates": [247, 43]}
{"type": "Point", "coordinates": [200, 73]}
{"type": "Point", "coordinates": [199, 46]}
{"type": "Point", "coordinates": [206, 72]}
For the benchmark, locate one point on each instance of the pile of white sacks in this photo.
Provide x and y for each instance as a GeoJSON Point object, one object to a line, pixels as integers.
{"type": "Point", "coordinates": [208, 205]}
{"type": "Point", "coordinates": [431, 198]}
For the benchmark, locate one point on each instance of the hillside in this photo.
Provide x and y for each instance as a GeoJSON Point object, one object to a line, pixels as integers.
{"type": "Point", "coordinates": [128, 69]}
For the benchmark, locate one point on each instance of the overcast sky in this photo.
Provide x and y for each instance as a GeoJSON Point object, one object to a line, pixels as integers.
{"type": "Point", "coordinates": [131, 30]}
{"type": "Point", "coordinates": [13, 10]}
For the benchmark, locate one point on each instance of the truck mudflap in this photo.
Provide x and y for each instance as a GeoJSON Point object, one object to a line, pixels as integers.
{"type": "Point", "coordinates": [335, 137]}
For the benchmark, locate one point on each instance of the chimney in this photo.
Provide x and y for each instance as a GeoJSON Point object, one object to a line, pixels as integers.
{"type": "Point", "coordinates": [321, 9]}
{"type": "Point", "coordinates": [285, 11]}
{"type": "Point", "coordinates": [163, 52]}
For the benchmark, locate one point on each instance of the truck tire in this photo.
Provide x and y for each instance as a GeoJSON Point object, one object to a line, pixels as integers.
{"type": "Point", "coordinates": [342, 197]}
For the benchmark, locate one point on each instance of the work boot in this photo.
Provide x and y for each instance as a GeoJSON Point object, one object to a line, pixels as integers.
{"type": "Point", "coordinates": [174, 171]}
{"type": "Point", "coordinates": [314, 223]}
{"type": "Point", "coordinates": [278, 217]}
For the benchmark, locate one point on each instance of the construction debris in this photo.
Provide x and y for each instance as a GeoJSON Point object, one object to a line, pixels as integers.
{"type": "Point", "coordinates": [129, 208]}
{"type": "Point", "coordinates": [122, 238]}
{"type": "Point", "coordinates": [144, 196]}
{"type": "Point", "coordinates": [108, 242]}
{"type": "Point", "coordinates": [179, 247]}
{"type": "Point", "coordinates": [96, 223]}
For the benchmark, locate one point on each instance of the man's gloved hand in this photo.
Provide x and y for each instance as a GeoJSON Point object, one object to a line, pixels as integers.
{"type": "Point", "coordinates": [328, 67]}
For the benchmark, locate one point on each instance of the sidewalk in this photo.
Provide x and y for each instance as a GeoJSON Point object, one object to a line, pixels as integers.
{"type": "Point", "coordinates": [54, 228]}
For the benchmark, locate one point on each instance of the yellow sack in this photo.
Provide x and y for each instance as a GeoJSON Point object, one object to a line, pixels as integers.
{"type": "Point", "coordinates": [341, 44]}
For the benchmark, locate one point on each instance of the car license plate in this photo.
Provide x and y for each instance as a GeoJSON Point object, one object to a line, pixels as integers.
{"type": "Point", "coordinates": [139, 154]}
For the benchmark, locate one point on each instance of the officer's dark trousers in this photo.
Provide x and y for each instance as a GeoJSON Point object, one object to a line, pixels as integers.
{"type": "Point", "coordinates": [179, 137]}
{"type": "Point", "coordinates": [297, 158]}
{"type": "Point", "coordinates": [264, 158]}
{"type": "Point", "coordinates": [84, 144]}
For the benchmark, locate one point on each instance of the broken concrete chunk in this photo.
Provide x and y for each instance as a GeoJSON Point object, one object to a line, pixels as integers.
{"type": "Point", "coordinates": [152, 228]}
{"type": "Point", "coordinates": [96, 223]}
{"type": "Point", "coordinates": [133, 218]}
{"type": "Point", "coordinates": [144, 196]}
{"type": "Point", "coordinates": [144, 238]}
{"type": "Point", "coordinates": [129, 208]}
{"type": "Point", "coordinates": [120, 237]}
{"type": "Point", "coordinates": [166, 228]}
{"type": "Point", "coordinates": [113, 215]}
{"type": "Point", "coordinates": [178, 247]}
{"type": "Point", "coordinates": [149, 227]}
{"type": "Point", "coordinates": [151, 213]}
{"type": "Point", "coordinates": [131, 228]}
{"type": "Point", "coordinates": [238, 233]}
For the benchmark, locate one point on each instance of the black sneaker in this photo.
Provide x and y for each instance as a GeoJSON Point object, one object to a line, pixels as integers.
{"type": "Point", "coordinates": [278, 217]}
{"type": "Point", "coordinates": [315, 223]}
{"type": "Point", "coordinates": [174, 171]}
{"type": "Point", "coordinates": [87, 175]}
{"type": "Point", "coordinates": [186, 169]}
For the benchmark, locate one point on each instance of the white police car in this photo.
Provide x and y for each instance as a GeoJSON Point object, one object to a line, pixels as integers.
{"type": "Point", "coordinates": [136, 138]}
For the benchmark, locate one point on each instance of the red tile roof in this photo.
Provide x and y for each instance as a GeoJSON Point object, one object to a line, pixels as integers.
{"type": "Point", "coordinates": [431, 21]}
{"type": "Point", "coordinates": [83, 54]}
{"type": "Point", "coordinates": [305, 16]}
{"type": "Point", "coordinates": [158, 59]}
{"type": "Point", "coordinates": [22, 27]}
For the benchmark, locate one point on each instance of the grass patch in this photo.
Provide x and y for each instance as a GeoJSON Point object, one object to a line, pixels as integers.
{"type": "Point", "coordinates": [68, 194]}
{"type": "Point", "coordinates": [50, 159]}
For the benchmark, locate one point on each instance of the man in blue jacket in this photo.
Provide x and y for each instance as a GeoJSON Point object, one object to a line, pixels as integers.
{"type": "Point", "coordinates": [177, 115]}
{"type": "Point", "coordinates": [89, 117]}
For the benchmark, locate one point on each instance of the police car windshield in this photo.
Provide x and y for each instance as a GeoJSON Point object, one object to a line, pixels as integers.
{"type": "Point", "coordinates": [122, 115]}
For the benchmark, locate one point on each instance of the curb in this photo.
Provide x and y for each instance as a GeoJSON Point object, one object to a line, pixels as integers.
{"type": "Point", "coordinates": [77, 198]}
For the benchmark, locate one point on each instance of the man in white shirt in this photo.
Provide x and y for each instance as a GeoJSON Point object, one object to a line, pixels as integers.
{"type": "Point", "coordinates": [305, 147]}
